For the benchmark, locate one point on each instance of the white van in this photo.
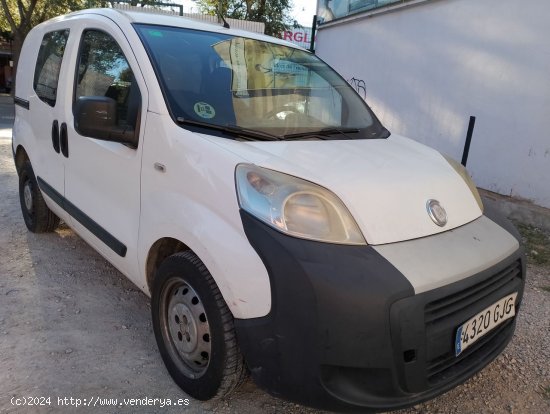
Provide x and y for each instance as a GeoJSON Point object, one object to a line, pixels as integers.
{"type": "Point", "coordinates": [278, 227]}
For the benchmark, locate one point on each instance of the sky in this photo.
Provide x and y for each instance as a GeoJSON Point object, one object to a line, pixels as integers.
{"type": "Point", "coordinates": [303, 10]}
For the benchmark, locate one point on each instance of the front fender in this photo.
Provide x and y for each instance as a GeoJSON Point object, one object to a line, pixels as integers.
{"type": "Point", "coordinates": [193, 199]}
{"type": "Point", "coordinates": [224, 249]}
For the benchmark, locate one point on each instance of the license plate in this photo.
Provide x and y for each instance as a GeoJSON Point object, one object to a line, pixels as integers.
{"type": "Point", "coordinates": [473, 329]}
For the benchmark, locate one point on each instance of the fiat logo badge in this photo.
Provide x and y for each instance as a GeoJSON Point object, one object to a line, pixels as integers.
{"type": "Point", "coordinates": [436, 212]}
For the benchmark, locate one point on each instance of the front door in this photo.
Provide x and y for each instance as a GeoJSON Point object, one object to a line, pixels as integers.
{"type": "Point", "coordinates": [102, 180]}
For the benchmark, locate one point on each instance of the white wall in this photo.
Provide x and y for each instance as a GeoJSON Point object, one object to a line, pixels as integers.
{"type": "Point", "coordinates": [428, 67]}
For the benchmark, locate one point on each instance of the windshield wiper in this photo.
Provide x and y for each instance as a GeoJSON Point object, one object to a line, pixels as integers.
{"type": "Point", "coordinates": [254, 133]}
{"type": "Point", "coordinates": [231, 129]}
{"type": "Point", "coordinates": [322, 133]}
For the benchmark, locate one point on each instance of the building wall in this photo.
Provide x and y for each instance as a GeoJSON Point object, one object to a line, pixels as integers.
{"type": "Point", "coordinates": [426, 68]}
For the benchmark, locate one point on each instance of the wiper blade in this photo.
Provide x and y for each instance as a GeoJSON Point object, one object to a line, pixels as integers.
{"type": "Point", "coordinates": [252, 133]}
{"type": "Point", "coordinates": [231, 129]}
{"type": "Point", "coordinates": [322, 133]}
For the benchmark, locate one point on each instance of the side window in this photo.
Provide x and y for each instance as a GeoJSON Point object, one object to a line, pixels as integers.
{"type": "Point", "coordinates": [104, 71]}
{"type": "Point", "coordinates": [48, 65]}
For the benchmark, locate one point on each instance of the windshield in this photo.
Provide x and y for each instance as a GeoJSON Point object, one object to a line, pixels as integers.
{"type": "Point", "coordinates": [216, 80]}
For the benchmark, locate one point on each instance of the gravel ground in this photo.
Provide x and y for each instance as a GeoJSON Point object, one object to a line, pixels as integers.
{"type": "Point", "coordinates": [72, 326]}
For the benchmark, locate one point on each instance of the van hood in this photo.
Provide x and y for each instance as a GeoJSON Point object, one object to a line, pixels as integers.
{"type": "Point", "coordinates": [385, 183]}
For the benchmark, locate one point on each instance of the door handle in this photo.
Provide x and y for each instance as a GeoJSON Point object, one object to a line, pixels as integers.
{"type": "Point", "coordinates": [55, 136]}
{"type": "Point", "coordinates": [63, 140]}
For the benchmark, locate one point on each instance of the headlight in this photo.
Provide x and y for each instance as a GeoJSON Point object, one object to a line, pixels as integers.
{"type": "Point", "coordinates": [459, 168]}
{"type": "Point", "coordinates": [294, 206]}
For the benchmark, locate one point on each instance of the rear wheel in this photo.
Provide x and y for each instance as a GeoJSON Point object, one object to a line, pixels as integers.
{"type": "Point", "coordinates": [38, 217]}
{"type": "Point", "coordinates": [194, 329]}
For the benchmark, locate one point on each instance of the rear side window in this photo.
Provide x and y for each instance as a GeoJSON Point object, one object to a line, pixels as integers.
{"type": "Point", "coordinates": [104, 71]}
{"type": "Point", "coordinates": [48, 65]}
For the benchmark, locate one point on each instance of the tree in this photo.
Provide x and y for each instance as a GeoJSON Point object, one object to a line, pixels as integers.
{"type": "Point", "coordinates": [274, 13]}
{"type": "Point", "coordinates": [19, 16]}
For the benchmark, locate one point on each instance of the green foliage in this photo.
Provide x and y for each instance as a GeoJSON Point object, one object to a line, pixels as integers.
{"type": "Point", "coordinates": [22, 15]}
{"type": "Point", "coordinates": [18, 17]}
{"type": "Point", "coordinates": [274, 13]}
{"type": "Point", "coordinates": [537, 243]}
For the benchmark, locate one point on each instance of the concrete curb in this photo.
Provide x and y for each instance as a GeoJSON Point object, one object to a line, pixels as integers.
{"type": "Point", "coordinates": [518, 209]}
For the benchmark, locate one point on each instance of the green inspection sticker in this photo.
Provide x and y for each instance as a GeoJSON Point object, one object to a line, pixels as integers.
{"type": "Point", "coordinates": [204, 110]}
{"type": "Point", "coordinates": [155, 33]}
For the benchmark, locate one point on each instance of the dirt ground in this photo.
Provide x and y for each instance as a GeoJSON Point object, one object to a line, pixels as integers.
{"type": "Point", "coordinates": [72, 326]}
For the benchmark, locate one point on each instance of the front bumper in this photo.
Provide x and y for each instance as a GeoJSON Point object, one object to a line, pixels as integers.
{"type": "Point", "coordinates": [346, 331]}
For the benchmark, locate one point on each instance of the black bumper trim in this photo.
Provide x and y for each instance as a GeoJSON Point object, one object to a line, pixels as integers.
{"type": "Point", "coordinates": [334, 338]}
{"type": "Point", "coordinates": [330, 307]}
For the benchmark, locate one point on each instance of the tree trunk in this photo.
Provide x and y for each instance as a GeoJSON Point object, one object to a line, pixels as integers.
{"type": "Point", "coordinates": [18, 39]}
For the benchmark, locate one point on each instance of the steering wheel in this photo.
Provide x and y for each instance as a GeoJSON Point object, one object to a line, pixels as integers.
{"type": "Point", "coordinates": [287, 110]}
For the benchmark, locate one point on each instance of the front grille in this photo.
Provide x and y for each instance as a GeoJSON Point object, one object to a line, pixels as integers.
{"type": "Point", "coordinates": [444, 315]}
{"type": "Point", "coordinates": [424, 327]}
{"type": "Point", "coordinates": [450, 305]}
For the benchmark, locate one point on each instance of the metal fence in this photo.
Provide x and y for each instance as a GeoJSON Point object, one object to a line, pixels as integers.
{"type": "Point", "coordinates": [256, 27]}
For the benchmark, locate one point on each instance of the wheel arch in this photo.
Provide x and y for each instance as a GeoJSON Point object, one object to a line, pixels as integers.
{"type": "Point", "coordinates": [160, 250]}
{"type": "Point", "coordinates": [20, 157]}
{"type": "Point", "coordinates": [246, 293]}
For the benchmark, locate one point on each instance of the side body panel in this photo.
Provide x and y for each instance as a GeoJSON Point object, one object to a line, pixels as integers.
{"type": "Point", "coordinates": [195, 201]}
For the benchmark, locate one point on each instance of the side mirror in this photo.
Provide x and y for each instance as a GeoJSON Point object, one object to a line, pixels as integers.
{"type": "Point", "coordinates": [95, 117]}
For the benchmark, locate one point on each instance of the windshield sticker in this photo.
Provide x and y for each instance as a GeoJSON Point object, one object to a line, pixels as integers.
{"type": "Point", "coordinates": [204, 110]}
{"type": "Point", "coordinates": [155, 33]}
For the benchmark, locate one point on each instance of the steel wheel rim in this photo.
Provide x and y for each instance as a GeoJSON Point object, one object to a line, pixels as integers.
{"type": "Point", "coordinates": [185, 328]}
{"type": "Point", "coordinates": [27, 195]}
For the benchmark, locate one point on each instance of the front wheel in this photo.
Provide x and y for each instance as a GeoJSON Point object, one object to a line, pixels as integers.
{"type": "Point", "coordinates": [194, 329]}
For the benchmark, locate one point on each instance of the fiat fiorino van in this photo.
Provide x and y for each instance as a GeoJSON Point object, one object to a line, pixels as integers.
{"type": "Point", "coordinates": [278, 226]}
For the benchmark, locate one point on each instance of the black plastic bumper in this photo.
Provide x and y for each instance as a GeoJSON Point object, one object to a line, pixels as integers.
{"type": "Point", "coordinates": [347, 333]}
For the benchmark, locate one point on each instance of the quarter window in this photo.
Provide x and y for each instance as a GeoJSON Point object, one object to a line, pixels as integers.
{"type": "Point", "coordinates": [48, 65]}
{"type": "Point", "coordinates": [103, 70]}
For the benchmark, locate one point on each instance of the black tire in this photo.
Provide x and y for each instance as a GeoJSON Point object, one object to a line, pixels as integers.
{"type": "Point", "coordinates": [38, 217]}
{"type": "Point", "coordinates": [194, 329]}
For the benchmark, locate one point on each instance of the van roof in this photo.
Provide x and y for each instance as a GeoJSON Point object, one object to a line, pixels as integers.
{"type": "Point", "coordinates": [177, 21]}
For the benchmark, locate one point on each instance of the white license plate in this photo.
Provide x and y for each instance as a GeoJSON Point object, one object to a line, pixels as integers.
{"type": "Point", "coordinates": [473, 329]}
